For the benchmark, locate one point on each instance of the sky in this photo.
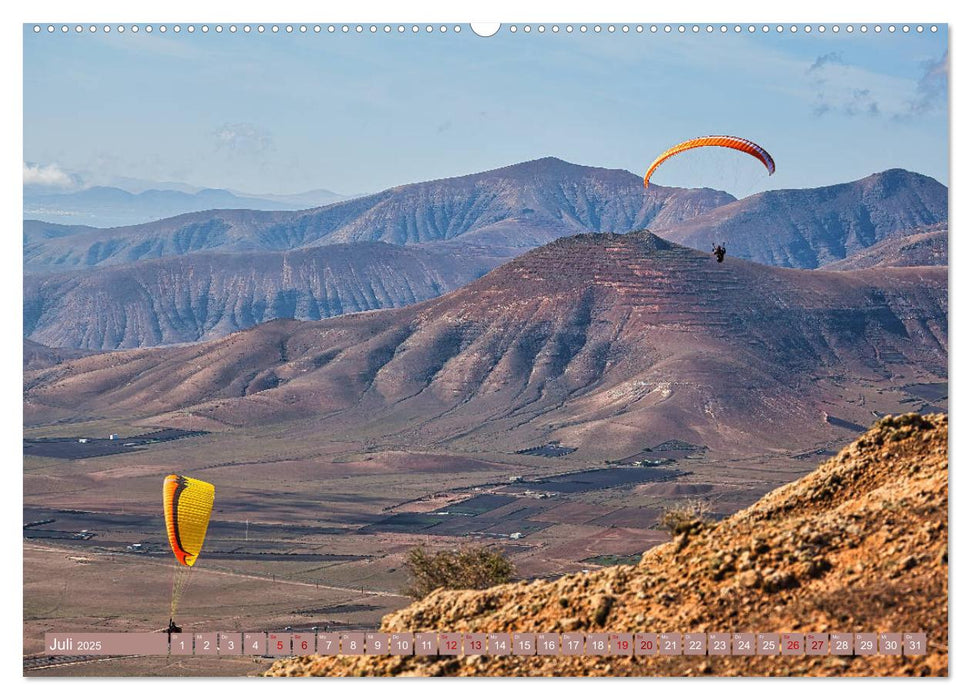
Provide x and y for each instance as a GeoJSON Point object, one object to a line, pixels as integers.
{"type": "Point", "coordinates": [361, 112]}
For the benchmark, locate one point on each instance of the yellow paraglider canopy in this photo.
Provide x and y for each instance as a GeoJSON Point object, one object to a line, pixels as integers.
{"type": "Point", "coordinates": [188, 505]}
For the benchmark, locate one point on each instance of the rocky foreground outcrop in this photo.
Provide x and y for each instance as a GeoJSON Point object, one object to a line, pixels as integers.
{"type": "Point", "coordinates": [860, 544]}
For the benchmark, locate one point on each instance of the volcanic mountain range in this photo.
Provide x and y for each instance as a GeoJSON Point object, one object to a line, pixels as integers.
{"type": "Point", "coordinates": [924, 245]}
{"type": "Point", "coordinates": [596, 340]}
{"type": "Point", "coordinates": [518, 207]}
{"type": "Point", "coordinates": [812, 227]}
{"type": "Point", "coordinates": [207, 295]}
{"type": "Point", "coordinates": [203, 275]}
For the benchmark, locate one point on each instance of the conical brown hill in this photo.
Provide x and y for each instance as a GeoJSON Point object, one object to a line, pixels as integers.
{"type": "Point", "coordinates": [859, 545]}
{"type": "Point", "coordinates": [596, 341]}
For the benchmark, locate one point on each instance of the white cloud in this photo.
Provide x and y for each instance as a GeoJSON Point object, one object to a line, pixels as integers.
{"type": "Point", "coordinates": [932, 86]}
{"type": "Point", "coordinates": [243, 138]}
{"type": "Point", "coordinates": [831, 57]}
{"type": "Point", "coordinates": [849, 90]}
{"type": "Point", "coordinates": [47, 176]}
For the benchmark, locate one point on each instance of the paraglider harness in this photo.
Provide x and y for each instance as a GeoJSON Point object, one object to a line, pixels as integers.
{"type": "Point", "coordinates": [719, 252]}
{"type": "Point", "coordinates": [173, 629]}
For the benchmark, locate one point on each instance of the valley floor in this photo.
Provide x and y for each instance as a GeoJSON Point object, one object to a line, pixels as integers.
{"type": "Point", "coordinates": [308, 533]}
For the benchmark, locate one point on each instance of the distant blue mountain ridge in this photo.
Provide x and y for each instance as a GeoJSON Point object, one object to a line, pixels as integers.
{"type": "Point", "coordinates": [104, 207]}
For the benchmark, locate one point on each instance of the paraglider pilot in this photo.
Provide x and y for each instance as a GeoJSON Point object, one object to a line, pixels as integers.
{"type": "Point", "coordinates": [187, 503]}
{"type": "Point", "coordinates": [173, 628]}
{"type": "Point", "coordinates": [719, 252]}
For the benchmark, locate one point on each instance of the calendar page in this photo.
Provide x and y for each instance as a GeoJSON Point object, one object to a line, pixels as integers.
{"type": "Point", "coordinates": [426, 348]}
